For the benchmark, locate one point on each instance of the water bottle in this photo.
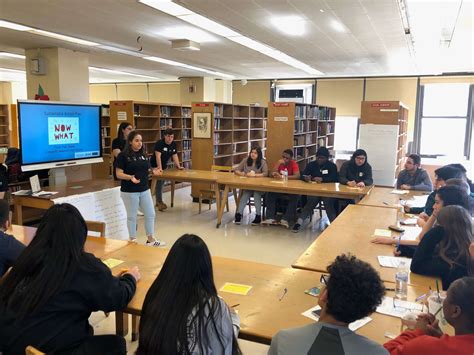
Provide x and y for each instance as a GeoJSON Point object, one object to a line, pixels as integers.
{"type": "Point", "coordinates": [285, 175]}
{"type": "Point", "coordinates": [401, 281]}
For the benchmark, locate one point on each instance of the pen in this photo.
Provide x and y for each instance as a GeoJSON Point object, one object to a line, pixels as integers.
{"type": "Point", "coordinates": [385, 203]}
{"type": "Point", "coordinates": [437, 289]}
{"type": "Point", "coordinates": [398, 241]}
{"type": "Point", "coordinates": [283, 294]}
{"type": "Point", "coordinates": [235, 305]}
{"type": "Point", "coordinates": [439, 310]}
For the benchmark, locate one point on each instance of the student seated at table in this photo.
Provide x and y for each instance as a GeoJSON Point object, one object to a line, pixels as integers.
{"type": "Point", "coordinates": [182, 313]}
{"type": "Point", "coordinates": [353, 290]}
{"type": "Point", "coordinates": [356, 172]}
{"type": "Point", "coordinates": [285, 165]}
{"type": "Point", "coordinates": [442, 175]}
{"type": "Point", "coordinates": [465, 186]}
{"type": "Point", "coordinates": [54, 286]}
{"type": "Point", "coordinates": [413, 177]}
{"type": "Point", "coordinates": [10, 248]}
{"type": "Point", "coordinates": [464, 176]}
{"type": "Point", "coordinates": [320, 171]}
{"type": "Point", "coordinates": [252, 166]}
{"type": "Point", "coordinates": [428, 338]}
{"type": "Point", "coordinates": [444, 250]}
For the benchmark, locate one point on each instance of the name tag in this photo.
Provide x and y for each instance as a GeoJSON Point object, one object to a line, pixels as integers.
{"type": "Point", "coordinates": [324, 172]}
{"type": "Point", "coordinates": [165, 149]}
{"type": "Point", "coordinates": [361, 174]}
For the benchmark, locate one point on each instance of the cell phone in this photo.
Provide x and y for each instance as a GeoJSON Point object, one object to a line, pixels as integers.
{"type": "Point", "coordinates": [317, 312]}
{"type": "Point", "coordinates": [396, 228]}
{"type": "Point", "coordinates": [313, 291]}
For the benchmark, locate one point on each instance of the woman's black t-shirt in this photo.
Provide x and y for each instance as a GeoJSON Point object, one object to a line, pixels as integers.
{"type": "Point", "coordinates": [138, 165]}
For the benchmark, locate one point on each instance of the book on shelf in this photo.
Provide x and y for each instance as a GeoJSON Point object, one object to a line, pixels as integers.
{"type": "Point", "coordinates": [218, 111]}
{"type": "Point", "coordinates": [186, 145]}
{"type": "Point", "coordinates": [166, 123]}
{"type": "Point", "coordinates": [187, 134]}
{"type": "Point", "coordinates": [216, 138]}
{"type": "Point", "coordinates": [299, 126]}
{"type": "Point", "coordinates": [105, 111]}
{"type": "Point", "coordinates": [186, 112]}
{"type": "Point", "coordinates": [187, 165]}
{"type": "Point", "coordinates": [165, 111]}
{"type": "Point", "coordinates": [217, 123]}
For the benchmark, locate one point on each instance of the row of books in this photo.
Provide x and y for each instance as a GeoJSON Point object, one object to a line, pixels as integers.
{"type": "Point", "coordinates": [314, 112]}
{"type": "Point", "coordinates": [187, 134]}
{"type": "Point", "coordinates": [186, 145]}
{"type": "Point", "coordinates": [186, 155]}
{"type": "Point", "coordinates": [105, 111]}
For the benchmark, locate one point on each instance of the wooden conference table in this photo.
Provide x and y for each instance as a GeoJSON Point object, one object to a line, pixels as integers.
{"type": "Point", "coordinates": [297, 187]}
{"type": "Point", "coordinates": [352, 232]}
{"type": "Point", "coordinates": [45, 202]}
{"type": "Point", "coordinates": [383, 197]}
{"type": "Point", "coordinates": [98, 246]}
{"type": "Point", "coordinates": [261, 311]}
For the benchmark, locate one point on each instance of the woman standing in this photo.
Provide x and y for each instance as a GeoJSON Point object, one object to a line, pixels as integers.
{"type": "Point", "coordinates": [182, 313]}
{"type": "Point", "coordinates": [133, 169]}
{"type": "Point", "coordinates": [253, 166]}
{"type": "Point", "coordinates": [118, 144]}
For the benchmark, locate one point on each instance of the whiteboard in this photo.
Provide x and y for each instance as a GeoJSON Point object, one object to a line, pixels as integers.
{"type": "Point", "coordinates": [102, 206]}
{"type": "Point", "coordinates": [381, 144]}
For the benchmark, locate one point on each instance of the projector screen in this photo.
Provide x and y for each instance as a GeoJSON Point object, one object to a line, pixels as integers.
{"type": "Point", "coordinates": [58, 134]}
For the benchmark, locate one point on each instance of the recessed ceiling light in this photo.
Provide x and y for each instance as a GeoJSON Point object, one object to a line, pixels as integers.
{"type": "Point", "coordinates": [290, 25]}
{"type": "Point", "coordinates": [12, 55]}
{"type": "Point", "coordinates": [338, 26]}
{"type": "Point", "coordinates": [321, 10]}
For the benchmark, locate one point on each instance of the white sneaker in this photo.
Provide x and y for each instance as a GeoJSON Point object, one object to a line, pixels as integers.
{"type": "Point", "coordinates": [140, 213]}
{"type": "Point", "coordinates": [269, 221]}
{"type": "Point", "coordinates": [284, 223]}
{"type": "Point", "coordinates": [155, 243]}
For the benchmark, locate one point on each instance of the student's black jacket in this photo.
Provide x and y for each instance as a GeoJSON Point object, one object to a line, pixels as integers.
{"type": "Point", "coordinates": [351, 172]}
{"type": "Point", "coordinates": [427, 261]}
{"type": "Point", "coordinates": [327, 171]}
{"type": "Point", "coordinates": [63, 322]}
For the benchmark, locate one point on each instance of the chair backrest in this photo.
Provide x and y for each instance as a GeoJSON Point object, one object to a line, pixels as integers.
{"type": "Point", "coordinates": [339, 163]}
{"type": "Point", "coordinates": [222, 168]}
{"type": "Point", "coordinates": [30, 350]}
{"type": "Point", "coordinates": [94, 226]}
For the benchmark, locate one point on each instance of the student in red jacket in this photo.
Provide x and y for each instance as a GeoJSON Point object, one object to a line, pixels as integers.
{"type": "Point", "coordinates": [427, 338]}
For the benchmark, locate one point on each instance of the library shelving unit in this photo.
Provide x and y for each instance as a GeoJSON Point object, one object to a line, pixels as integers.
{"type": "Point", "coordinates": [151, 119]}
{"type": "Point", "coordinates": [383, 134]}
{"type": "Point", "coordinates": [301, 127]}
{"type": "Point", "coordinates": [234, 129]}
{"type": "Point", "coordinates": [4, 126]}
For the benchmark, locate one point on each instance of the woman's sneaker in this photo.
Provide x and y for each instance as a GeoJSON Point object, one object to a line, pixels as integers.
{"type": "Point", "coordinates": [155, 243]}
{"type": "Point", "coordinates": [257, 220]}
{"type": "Point", "coordinates": [238, 218]}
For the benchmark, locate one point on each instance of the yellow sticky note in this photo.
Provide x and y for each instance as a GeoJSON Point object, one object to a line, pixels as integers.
{"type": "Point", "coordinates": [382, 233]}
{"type": "Point", "coordinates": [238, 289]}
{"type": "Point", "coordinates": [111, 262]}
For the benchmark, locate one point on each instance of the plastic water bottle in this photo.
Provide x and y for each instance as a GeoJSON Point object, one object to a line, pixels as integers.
{"type": "Point", "coordinates": [285, 175]}
{"type": "Point", "coordinates": [401, 281]}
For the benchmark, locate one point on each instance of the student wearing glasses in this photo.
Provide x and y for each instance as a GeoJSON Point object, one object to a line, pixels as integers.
{"type": "Point", "coordinates": [285, 166]}
{"type": "Point", "coordinates": [413, 177]}
{"type": "Point", "coordinates": [352, 291]}
{"type": "Point", "coordinates": [356, 172]}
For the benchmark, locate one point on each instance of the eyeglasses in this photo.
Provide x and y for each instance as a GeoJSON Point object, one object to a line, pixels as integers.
{"type": "Point", "coordinates": [360, 158]}
{"type": "Point", "coordinates": [324, 279]}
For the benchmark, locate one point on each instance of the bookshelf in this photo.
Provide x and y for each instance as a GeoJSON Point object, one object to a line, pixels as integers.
{"type": "Point", "coordinates": [383, 134]}
{"type": "Point", "coordinates": [4, 126]}
{"type": "Point", "coordinates": [151, 119]}
{"type": "Point", "coordinates": [234, 130]}
{"type": "Point", "coordinates": [312, 126]}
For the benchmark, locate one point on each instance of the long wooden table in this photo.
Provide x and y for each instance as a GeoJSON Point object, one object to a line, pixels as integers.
{"type": "Point", "coordinates": [261, 312]}
{"type": "Point", "coordinates": [382, 197]}
{"type": "Point", "coordinates": [45, 202]}
{"type": "Point", "coordinates": [98, 246]}
{"type": "Point", "coordinates": [352, 232]}
{"type": "Point", "coordinates": [296, 187]}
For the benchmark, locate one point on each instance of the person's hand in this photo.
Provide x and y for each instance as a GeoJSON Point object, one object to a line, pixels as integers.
{"type": "Point", "coordinates": [406, 209]}
{"type": "Point", "coordinates": [360, 184]}
{"type": "Point", "coordinates": [251, 173]}
{"type": "Point", "coordinates": [281, 161]}
{"type": "Point", "coordinates": [396, 252]}
{"type": "Point", "coordinates": [180, 167]}
{"type": "Point", "coordinates": [351, 183]}
{"type": "Point", "coordinates": [307, 178]}
{"type": "Point", "coordinates": [434, 330]}
{"type": "Point", "coordinates": [135, 180]}
{"type": "Point", "coordinates": [276, 175]}
{"type": "Point", "coordinates": [435, 213]}
{"type": "Point", "coordinates": [405, 187]}
{"type": "Point", "coordinates": [318, 179]}
{"type": "Point", "coordinates": [423, 320]}
{"type": "Point", "coordinates": [157, 172]}
{"type": "Point", "coordinates": [135, 272]}
{"type": "Point", "coordinates": [423, 216]}
{"type": "Point", "coordinates": [383, 240]}
{"type": "Point", "coordinates": [471, 250]}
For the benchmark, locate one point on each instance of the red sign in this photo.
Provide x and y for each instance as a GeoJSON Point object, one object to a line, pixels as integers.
{"type": "Point", "coordinates": [381, 104]}
{"type": "Point", "coordinates": [201, 105]}
{"type": "Point", "coordinates": [281, 104]}
{"type": "Point", "coordinates": [119, 103]}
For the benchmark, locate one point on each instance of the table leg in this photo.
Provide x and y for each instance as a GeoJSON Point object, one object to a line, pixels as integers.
{"type": "Point", "coordinates": [222, 204]}
{"type": "Point", "coordinates": [217, 192]}
{"type": "Point", "coordinates": [135, 326]}
{"type": "Point", "coordinates": [153, 185]}
{"type": "Point", "coordinates": [121, 323]}
{"type": "Point", "coordinates": [18, 214]}
{"type": "Point", "coordinates": [172, 192]}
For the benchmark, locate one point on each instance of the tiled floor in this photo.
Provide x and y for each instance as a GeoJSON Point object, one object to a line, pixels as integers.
{"type": "Point", "coordinates": [271, 245]}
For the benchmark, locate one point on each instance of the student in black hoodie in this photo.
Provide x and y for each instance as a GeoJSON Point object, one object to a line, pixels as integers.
{"type": "Point", "coordinates": [320, 171]}
{"type": "Point", "coordinates": [49, 294]}
{"type": "Point", "coordinates": [356, 172]}
{"type": "Point", "coordinates": [10, 248]}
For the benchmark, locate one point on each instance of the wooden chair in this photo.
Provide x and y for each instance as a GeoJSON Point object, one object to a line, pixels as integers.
{"type": "Point", "coordinates": [95, 226]}
{"type": "Point", "coordinates": [210, 193]}
{"type": "Point", "coordinates": [30, 350]}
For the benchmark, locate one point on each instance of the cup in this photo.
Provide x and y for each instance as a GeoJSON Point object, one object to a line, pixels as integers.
{"type": "Point", "coordinates": [409, 320]}
{"type": "Point", "coordinates": [435, 302]}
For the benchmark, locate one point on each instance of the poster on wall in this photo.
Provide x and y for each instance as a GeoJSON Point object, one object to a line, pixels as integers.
{"type": "Point", "coordinates": [202, 125]}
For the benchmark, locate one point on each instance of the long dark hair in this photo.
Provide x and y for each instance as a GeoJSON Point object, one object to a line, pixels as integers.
{"type": "Point", "coordinates": [128, 151]}
{"type": "Point", "coordinates": [182, 301]}
{"type": "Point", "coordinates": [454, 195]}
{"type": "Point", "coordinates": [121, 128]}
{"type": "Point", "coordinates": [454, 247]}
{"type": "Point", "coordinates": [258, 163]}
{"type": "Point", "coordinates": [48, 263]}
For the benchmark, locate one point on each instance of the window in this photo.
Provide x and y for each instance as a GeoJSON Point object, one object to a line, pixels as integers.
{"type": "Point", "coordinates": [444, 121]}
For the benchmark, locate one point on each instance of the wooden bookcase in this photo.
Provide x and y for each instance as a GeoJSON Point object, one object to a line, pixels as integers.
{"type": "Point", "coordinates": [383, 134]}
{"type": "Point", "coordinates": [234, 129]}
{"type": "Point", "coordinates": [301, 127]}
{"type": "Point", "coordinates": [4, 126]}
{"type": "Point", "coordinates": [151, 119]}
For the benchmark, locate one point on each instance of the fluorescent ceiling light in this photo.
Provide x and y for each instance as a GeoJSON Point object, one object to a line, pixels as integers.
{"type": "Point", "coordinates": [12, 70]}
{"type": "Point", "coordinates": [12, 55]}
{"type": "Point", "coordinates": [187, 66]}
{"type": "Point", "coordinates": [18, 27]}
{"type": "Point", "coordinates": [290, 25]}
{"type": "Point", "coordinates": [338, 26]}
{"type": "Point", "coordinates": [214, 27]}
{"type": "Point", "coordinates": [110, 71]}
